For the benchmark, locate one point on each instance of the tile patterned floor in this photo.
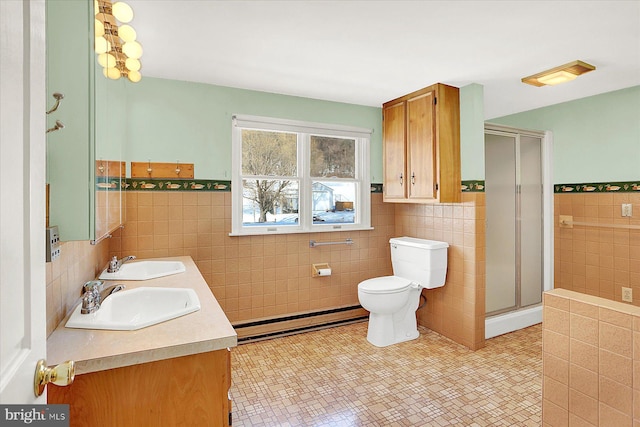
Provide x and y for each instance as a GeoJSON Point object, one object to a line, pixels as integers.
{"type": "Point", "coordinates": [335, 378]}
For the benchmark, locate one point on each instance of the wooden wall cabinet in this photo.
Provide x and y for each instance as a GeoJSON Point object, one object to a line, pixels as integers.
{"type": "Point", "coordinates": [183, 391]}
{"type": "Point", "coordinates": [421, 146]}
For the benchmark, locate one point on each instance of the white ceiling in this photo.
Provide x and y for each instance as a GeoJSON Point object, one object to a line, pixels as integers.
{"type": "Point", "coordinates": [369, 52]}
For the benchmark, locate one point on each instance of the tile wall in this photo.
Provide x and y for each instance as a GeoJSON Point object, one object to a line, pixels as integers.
{"type": "Point", "coordinates": [591, 361]}
{"type": "Point", "coordinates": [261, 277]}
{"type": "Point", "coordinates": [457, 310]}
{"type": "Point", "coordinates": [597, 260]}
{"type": "Point", "coordinates": [254, 277]}
{"type": "Point", "coordinates": [78, 263]}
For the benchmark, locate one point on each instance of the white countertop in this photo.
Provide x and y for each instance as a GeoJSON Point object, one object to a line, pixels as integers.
{"type": "Point", "coordinates": [207, 329]}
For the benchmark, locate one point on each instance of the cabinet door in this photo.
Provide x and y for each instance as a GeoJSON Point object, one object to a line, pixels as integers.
{"type": "Point", "coordinates": [189, 390]}
{"type": "Point", "coordinates": [421, 149]}
{"type": "Point", "coordinates": [393, 128]}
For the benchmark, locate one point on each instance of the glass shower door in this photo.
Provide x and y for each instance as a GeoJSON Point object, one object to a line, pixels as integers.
{"type": "Point", "coordinates": [513, 192]}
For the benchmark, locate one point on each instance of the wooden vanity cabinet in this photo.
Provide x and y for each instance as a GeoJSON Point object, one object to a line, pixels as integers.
{"type": "Point", "coordinates": [183, 391]}
{"type": "Point", "coordinates": [421, 146]}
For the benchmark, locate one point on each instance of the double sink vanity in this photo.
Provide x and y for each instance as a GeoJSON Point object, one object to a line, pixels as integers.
{"type": "Point", "coordinates": [158, 353]}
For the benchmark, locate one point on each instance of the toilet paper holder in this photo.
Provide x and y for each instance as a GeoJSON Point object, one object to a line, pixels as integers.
{"type": "Point", "coordinates": [320, 270]}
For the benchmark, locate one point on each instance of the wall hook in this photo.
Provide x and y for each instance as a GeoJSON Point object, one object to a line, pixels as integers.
{"type": "Point", "coordinates": [57, 126]}
{"type": "Point", "coordinates": [58, 97]}
{"type": "Point", "coordinates": [178, 170]}
{"type": "Point", "coordinates": [149, 168]}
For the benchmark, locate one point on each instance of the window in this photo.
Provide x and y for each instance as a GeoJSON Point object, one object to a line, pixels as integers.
{"type": "Point", "coordinates": [298, 177]}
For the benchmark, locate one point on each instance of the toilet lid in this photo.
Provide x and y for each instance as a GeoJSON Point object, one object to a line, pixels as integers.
{"type": "Point", "coordinates": [384, 285]}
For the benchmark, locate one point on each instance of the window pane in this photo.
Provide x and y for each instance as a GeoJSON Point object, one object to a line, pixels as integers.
{"type": "Point", "coordinates": [333, 157]}
{"type": "Point", "coordinates": [269, 153]}
{"type": "Point", "coordinates": [269, 202]}
{"type": "Point", "coordinates": [334, 202]}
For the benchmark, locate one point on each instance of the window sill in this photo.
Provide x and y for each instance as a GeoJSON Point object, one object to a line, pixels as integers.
{"type": "Point", "coordinates": [269, 233]}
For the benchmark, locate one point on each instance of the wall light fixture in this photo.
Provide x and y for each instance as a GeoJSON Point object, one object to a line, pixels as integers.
{"type": "Point", "coordinates": [115, 41]}
{"type": "Point", "coordinates": [561, 74]}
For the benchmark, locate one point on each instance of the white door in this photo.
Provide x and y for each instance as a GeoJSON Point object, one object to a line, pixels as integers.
{"type": "Point", "coordinates": [22, 198]}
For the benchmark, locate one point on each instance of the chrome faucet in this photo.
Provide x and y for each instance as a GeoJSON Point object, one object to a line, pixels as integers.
{"type": "Point", "coordinates": [94, 294]}
{"type": "Point", "coordinates": [115, 263]}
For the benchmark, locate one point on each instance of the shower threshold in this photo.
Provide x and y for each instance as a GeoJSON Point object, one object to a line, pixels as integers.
{"type": "Point", "coordinates": [512, 321]}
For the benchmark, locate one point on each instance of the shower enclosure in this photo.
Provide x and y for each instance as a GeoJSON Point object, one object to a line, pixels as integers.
{"type": "Point", "coordinates": [514, 226]}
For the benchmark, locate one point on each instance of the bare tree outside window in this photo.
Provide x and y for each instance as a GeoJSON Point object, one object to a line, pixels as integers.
{"type": "Point", "coordinates": [269, 154]}
{"type": "Point", "coordinates": [333, 157]}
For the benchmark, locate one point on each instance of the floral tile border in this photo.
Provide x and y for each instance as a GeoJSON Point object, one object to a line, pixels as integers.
{"type": "Point", "coordinates": [598, 187]}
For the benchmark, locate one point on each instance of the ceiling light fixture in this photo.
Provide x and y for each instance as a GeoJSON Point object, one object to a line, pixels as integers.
{"type": "Point", "coordinates": [118, 51]}
{"type": "Point", "coordinates": [561, 74]}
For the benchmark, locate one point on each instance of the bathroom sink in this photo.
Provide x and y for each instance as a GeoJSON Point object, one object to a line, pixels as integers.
{"type": "Point", "coordinates": [144, 270]}
{"type": "Point", "coordinates": [137, 308]}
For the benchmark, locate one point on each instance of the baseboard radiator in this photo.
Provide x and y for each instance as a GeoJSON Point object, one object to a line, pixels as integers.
{"type": "Point", "coordinates": [274, 327]}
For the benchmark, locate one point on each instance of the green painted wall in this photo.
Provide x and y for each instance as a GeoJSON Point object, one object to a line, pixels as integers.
{"type": "Point", "coordinates": [171, 120]}
{"type": "Point", "coordinates": [595, 139]}
{"type": "Point", "coordinates": [69, 151]}
{"type": "Point", "coordinates": [472, 131]}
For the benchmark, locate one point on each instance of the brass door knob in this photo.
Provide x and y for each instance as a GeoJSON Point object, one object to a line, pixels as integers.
{"type": "Point", "coordinates": [61, 375]}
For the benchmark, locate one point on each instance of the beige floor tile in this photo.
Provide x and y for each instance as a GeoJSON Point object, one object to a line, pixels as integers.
{"type": "Point", "coordinates": [334, 377]}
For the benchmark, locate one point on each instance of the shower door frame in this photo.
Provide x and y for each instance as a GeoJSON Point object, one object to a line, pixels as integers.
{"type": "Point", "coordinates": [546, 156]}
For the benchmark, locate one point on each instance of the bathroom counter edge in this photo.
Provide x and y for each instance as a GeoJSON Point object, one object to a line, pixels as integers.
{"type": "Point", "coordinates": [206, 330]}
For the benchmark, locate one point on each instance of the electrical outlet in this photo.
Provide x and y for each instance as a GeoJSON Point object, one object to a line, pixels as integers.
{"type": "Point", "coordinates": [52, 243]}
{"type": "Point", "coordinates": [627, 209]}
{"type": "Point", "coordinates": [627, 294]}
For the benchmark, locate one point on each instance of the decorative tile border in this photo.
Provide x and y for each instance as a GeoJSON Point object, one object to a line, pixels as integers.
{"type": "Point", "coordinates": [137, 184]}
{"type": "Point", "coordinates": [467, 186]}
{"type": "Point", "coordinates": [599, 187]}
{"type": "Point", "coordinates": [473, 186]}
{"type": "Point", "coordinates": [109, 183]}
{"type": "Point", "coordinates": [376, 188]}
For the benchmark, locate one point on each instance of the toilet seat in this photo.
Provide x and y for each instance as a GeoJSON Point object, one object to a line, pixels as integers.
{"type": "Point", "coordinates": [384, 285]}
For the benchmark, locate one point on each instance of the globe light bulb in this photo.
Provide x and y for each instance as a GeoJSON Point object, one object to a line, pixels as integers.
{"type": "Point", "coordinates": [111, 73]}
{"type": "Point", "coordinates": [127, 33]}
{"type": "Point", "coordinates": [102, 45]}
{"type": "Point", "coordinates": [134, 76]}
{"type": "Point", "coordinates": [132, 64]}
{"type": "Point", "coordinates": [132, 49]}
{"type": "Point", "coordinates": [107, 60]}
{"type": "Point", "coordinates": [122, 12]}
{"type": "Point", "coordinates": [99, 29]}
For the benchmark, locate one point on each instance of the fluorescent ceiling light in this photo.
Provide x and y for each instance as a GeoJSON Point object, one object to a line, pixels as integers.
{"type": "Point", "coordinates": [561, 74]}
{"type": "Point", "coordinates": [557, 78]}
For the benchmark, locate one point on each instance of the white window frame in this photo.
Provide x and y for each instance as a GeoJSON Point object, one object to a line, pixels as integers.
{"type": "Point", "coordinates": [304, 130]}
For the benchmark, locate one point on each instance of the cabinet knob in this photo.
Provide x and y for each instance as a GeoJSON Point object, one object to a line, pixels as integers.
{"type": "Point", "coordinates": [401, 179]}
{"type": "Point", "coordinates": [61, 375]}
{"type": "Point", "coordinates": [413, 178]}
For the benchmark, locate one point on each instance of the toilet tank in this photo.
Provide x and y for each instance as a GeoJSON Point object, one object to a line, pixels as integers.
{"type": "Point", "coordinates": [419, 260]}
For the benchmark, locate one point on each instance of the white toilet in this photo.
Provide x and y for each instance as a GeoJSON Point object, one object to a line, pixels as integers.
{"type": "Point", "coordinates": [392, 301]}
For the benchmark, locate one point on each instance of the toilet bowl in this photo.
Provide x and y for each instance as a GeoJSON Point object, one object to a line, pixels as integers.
{"type": "Point", "coordinates": [392, 301]}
